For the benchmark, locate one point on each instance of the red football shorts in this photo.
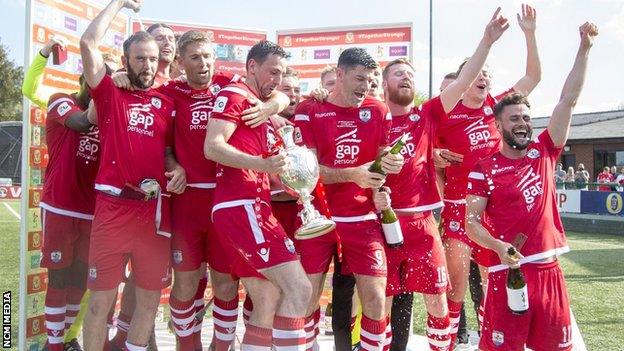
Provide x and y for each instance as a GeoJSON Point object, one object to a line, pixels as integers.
{"type": "Point", "coordinates": [362, 249]}
{"type": "Point", "coordinates": [545, 326]}
{"type": "Point", "coordinates": [419, 265]}
{"type": "Point", "coordinates": [193, 240]}
{"type": "Point", "coordinates": [251, 230]}
{"type": "Point", "coordinates": [286, 213]}
{"type": "Point", "coordinates": [65, 239]}
{"type": "Point", "coordinates": [126, 229]}
{"type": "Point", "coordinates": [453, 225]}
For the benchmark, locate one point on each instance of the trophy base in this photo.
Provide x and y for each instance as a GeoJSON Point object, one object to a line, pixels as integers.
{"type": "Point", "coordinates": [315, 228]}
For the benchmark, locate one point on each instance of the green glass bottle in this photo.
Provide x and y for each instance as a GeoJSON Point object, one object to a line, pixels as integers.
{"type": "Point", "coordinates": [389, 221]}
{"type": "Point", "coordinates": [517, 293]}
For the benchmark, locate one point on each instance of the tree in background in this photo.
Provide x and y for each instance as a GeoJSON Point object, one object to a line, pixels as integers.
{"type": "Point", "coordinates": [419, 98]}
{"type": "Point", "coordinates": [11, 77]}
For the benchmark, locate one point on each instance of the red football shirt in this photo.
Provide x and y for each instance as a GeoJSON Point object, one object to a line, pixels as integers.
{"type": "Point", "coordinates": [135, 127]}
{"type": "Point", "coordinates": [344, 137]}
{"type": "Point", "coordinates": [192, 110]}
{"type": "Point", "coordinates": [414, 188]}
{"type": "Point", "coordinates": [604, 177]}
{"type": "Point", "coordinates": [522, 204]}
{"type": "Point", "coordinates": [472, 133]}
{"type": "Point", "coordinates": [235, 183]}
{"type": "Point", "coordinates": [73, 165]}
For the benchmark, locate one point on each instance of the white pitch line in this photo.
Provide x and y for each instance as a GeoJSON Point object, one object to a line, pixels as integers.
{"type": "Point", "coordinates": [17, 215]}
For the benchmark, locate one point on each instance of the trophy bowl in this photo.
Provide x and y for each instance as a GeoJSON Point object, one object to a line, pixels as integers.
{"type": "Point", "coordinates": [299, 180]}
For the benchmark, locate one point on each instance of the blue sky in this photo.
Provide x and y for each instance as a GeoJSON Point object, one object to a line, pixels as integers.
{"type": "Point", "coordinates": [458, 26]}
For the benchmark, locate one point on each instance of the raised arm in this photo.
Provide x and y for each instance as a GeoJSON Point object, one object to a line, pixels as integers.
{"type": "Point", "coordinates": [533, 75]}
{"type": "Point", "coordinates": [34, 75]}
{"type": "Point", "coordinates": [454, 91]}
{"type": "Point", "coordinates": [559, 124]}
{"type": "Point", "coordinates": [94, 69]}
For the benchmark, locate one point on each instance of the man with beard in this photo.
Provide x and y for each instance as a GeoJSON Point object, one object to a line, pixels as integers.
{"type": "Point", "coordinates": [419, 264]}
{"type": "Point", "coordinates": [512, 203]}
{"type": "Point", "coordinates": [130, 218]}
{"type": "Point", "coordinates": [266, 260]}
{"type": "Point", "coordinates": [348, 132]}
{"type": "Point", "coordinates": [469, 130]}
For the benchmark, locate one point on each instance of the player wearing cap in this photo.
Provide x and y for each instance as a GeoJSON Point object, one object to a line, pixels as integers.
{"type": "Point", "coordinates": [512, 202]}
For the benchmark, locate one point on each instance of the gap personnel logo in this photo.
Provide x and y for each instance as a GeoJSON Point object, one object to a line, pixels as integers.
{"type": "Point", "coordinates": [531, 187]}
{"type": "Point", "coordinates": [533, 153]}
{"type": "Point", "coordinates": [347, 148]}
{"type": "Point", "coordinates": [478, 134]}
{"type": "Point", "coordinates": [89, 144]}
{"type": "Point", "coordinates": [141, 119]}
{"type": "Point", "coordinates": [498, 338]}
{"type": "Point", "coordinates": [365, 115]}
{"type": "Point", "coordinates": [219, 105]}
{"type": "Point", "coordinates": [407, 151]}
{"type": "Point", "coordinates": [199, 115]}
{"type": "Point", "coordinates": [177, 256]}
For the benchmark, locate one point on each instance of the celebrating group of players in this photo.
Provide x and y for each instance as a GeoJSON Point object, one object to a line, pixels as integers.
{"type": "Point", "coordinates": [184, 172]}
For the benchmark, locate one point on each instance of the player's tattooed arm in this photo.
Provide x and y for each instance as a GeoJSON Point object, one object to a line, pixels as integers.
{"type": "Point", "coordinates": [533, 75]}
{"type": "Point", "coordinates": [559, 124]}
{"type": "Point", "coordinates": [260, 111]}
{"type": "Point", "coordinates": [359, 175]}
{"type": "Point", "coordinates": [216, 148]}
{"type": "Point", "coordinates": [174, 172]}
{"type": "Point", "coordinates": [79, 121]}
{"type": "Point", "coordinates": [475, 206]}
{"type": "Point", "coordinates": [94, 69]}
{"type": "Point", "coordinates": [454, 91]}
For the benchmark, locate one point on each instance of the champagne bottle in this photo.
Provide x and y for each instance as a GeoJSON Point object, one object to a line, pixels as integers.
{"type": "Point", "coordinates": [517, 293]}
{"type": "Point", "coordinates": [328, 319]}
{"type": "Point", "coordinates": [389, 221]}
{"type": "Point", "coordinates": [395, 149]}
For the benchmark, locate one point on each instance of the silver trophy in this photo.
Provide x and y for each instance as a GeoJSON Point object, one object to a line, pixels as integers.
{"type": "Point", "coordinates": [299, 180]}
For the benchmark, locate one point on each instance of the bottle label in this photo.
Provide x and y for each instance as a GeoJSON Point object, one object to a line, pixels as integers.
{"type": "Point", "coordinates": [518, 299]}
{"type": "Point", "coordinates": [393, 233]}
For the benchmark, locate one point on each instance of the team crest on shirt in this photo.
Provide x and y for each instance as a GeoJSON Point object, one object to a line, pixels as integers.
{"type": "Point", "coordinates": [365, 115]}
{"type": "Point", "coordinates": [454, 226]}
{"type": "Point", "coordinates": [414, 117]}
{"type": "Point", "coordinates": [56, 256]}
{"type": "Point", "coordinates": [215, 88]}
{"type": "Point", "coordinates": [533, 153]}
{"type": "Point", "coordinates": [488, 110]}
{"type": "Point", "coordinates": [219, 105]}
{"type": "Point", "coordinates": [177, 256]}
{"type": "Point", "coordinates": [156, 102]}
{"type": "Point", "coordinates": [92, 273]}
{"type": "Point", "coordinates": [290, 246]}
{"type": "Point", "coordinates": [63, 108]}
{"type": "Point", "coordinates": [498, 338]}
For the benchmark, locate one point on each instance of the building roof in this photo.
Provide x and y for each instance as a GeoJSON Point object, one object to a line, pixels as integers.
{"type": "Point", "coordinates": [594, 125]}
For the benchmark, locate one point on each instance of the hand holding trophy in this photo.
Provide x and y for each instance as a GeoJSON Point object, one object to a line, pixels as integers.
{"type": "Point", "coordinates": [299, 180]}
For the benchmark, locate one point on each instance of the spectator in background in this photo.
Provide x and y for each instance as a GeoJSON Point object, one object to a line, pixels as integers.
{"type": "Point", "coordinates": [581, 177]}
{"type": "Point", "coordinates": [605, 177]}
{"type": "Point", "coordinates": [569, 178]}
{"type": "Point", "coordinates": [560, 176]}
{"type": "Point", "coordinates": [620, 180]}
